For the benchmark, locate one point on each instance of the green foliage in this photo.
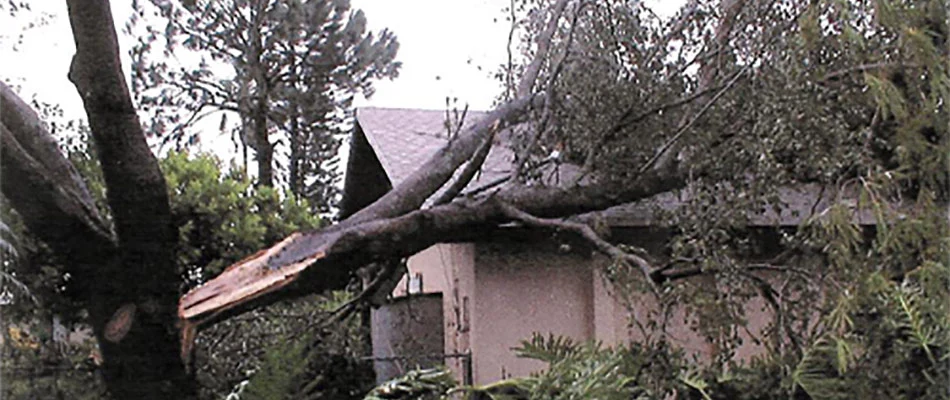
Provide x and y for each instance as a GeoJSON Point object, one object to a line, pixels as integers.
{"type": "Point", "coordinates": [895, 343]}
{"type": "Point", "coordinates": [220, 218]}
{"type": "Point", "coordinates": [847, 98]}
{"type": "Point", "coordinates": [280, 369]}
{"type": "Point", "coordinates": [426, 384]}
{"type": "Point", "coordinates": [223, 218]}
{"type": "Point", "coordinates": [575, 371]}
{"type": "Point", "coordinates": [588, 371]}
{"type": "Point", "coordinates": [286, 351]}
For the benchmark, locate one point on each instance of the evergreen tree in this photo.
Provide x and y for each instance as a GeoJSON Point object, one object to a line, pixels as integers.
{"type": "Point", "coordinates": [294, 67]}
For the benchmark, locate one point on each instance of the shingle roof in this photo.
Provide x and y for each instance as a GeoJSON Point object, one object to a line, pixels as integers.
{"type": "Point", "coordinates": [404, 139]}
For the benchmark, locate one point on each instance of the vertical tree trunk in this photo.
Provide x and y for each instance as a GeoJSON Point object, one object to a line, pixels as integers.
{"type": "Point", "coordinates": [295, 173]}
{"type": "Point", "coordinates": [258, 69]}
{"type": "Point", "coordinates": [133, 303]}
{"type": "Point", "coordinates": [265, 150]}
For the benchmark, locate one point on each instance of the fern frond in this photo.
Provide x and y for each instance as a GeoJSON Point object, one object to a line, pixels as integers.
{"type": "Point", "coordinates": [817, 373]}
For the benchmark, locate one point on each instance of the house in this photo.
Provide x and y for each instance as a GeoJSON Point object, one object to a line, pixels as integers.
{"type": "Point", "coordinates": [467, 304]}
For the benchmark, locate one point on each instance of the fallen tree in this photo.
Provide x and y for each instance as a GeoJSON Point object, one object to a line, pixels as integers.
{"type": "Point", "coordinates": [667, 128]}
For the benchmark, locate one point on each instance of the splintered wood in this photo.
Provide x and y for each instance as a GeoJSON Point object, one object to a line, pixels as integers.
{"type": "Point", "coordinates": [240, 283]}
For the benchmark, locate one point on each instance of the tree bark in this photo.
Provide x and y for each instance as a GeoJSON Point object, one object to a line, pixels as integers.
{"type": "Point", "coordinates": [132, 307]}
{"type": "Point", "coordinates": [48, 193]}
{"type": "Point", "coordinates": [431, 175]}
{"type": "Point", "coordinates": [44, 187]}
{"type": "Point", "coordinates": [264, 150]}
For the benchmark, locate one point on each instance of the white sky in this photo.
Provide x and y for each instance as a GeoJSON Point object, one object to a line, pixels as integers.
{"type": "Point", "coordinates": [442, 45]}
{"type": "Point", "coordinates": [447, 47]}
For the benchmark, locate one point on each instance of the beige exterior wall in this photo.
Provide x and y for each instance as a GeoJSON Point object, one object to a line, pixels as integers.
{"type": "Point", "coordinates": [520, 290]}
{"type": "Point", "coordinates": [498, 293]}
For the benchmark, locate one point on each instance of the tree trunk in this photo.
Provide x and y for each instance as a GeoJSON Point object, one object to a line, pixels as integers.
{"type": "Point", "coordinates": [295, 170]}
{"type": "Point", "coordinates": [264, 150]}
{"type": "Point", "coordinates": [133, 305]}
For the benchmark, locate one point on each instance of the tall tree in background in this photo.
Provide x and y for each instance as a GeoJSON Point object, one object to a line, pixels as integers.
{"type": "Point", "coordinates": [294, 67]}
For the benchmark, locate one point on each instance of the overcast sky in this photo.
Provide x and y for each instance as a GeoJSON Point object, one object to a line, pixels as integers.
{"type": "Point", "coordinates": [447, 47]}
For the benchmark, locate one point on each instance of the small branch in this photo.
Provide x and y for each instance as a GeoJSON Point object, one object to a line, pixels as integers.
{"type": "Point", "coordinates": [509, 78]}
{"type": "Point", "coordinates": [663, 108]}
{"type": "Point", "coordinates": [771, 296]}
{"type": "Point", "coordinates": [526, 86]}
{"type": "Point", "coordinates": [469, 171]}
{"type": "Point", "coordinates": [658, 160]}
{"type": "Point", "coordinates": [461, 120]}
{"type": "Point", "coordinates": [865, 67]}
{"type": "Point", "coordinates": [381, 285]}
{"type": "Point", "coordinates": [668, 273]}
{"type": "Point", "coordinates": [627, 120]}
{"type": "Point", "coordinates": [502, 180]}
{"type": "Point", "coordinates": [584, 231]}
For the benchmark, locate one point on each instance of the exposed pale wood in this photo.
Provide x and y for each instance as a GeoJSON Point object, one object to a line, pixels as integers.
{"type": "Point", "coordinates": [243, 281]}
{"type": "Point", "coordinates": [303, 263]}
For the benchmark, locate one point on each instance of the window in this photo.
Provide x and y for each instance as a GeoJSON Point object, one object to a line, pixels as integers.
{"type": "Point", "coordinates": [415, 283]}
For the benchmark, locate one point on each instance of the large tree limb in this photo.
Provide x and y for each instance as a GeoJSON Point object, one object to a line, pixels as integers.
{"type": "Point", "coordinates": [430, 176]}
{"type": "Point", "coordinates": [45, 188]}
{"type": "Point", "coordinates": [468, 172]}
{"type": "Point", "coordinates": [526, 85]}
{"type": "Point", "coordinates": [305, 262]}
{"type": "Point", "coordinates": [394, 227]}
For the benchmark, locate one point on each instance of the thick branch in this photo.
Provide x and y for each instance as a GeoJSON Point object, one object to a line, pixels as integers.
{"type": "Point", "coordinates": [468, 172]}
{"type": "Point", "coordinates": [393, 227]}
{"type": "Point", "coordinates": [431, 175]}
{"type": "Point", "coordinates": [584, 231]}
{"type": "Point", "coordinates": [307, 262]}
{"type": "Point", "coordinates": [526, 86]}
{"type": "Point", "coordinates": [45, 188]}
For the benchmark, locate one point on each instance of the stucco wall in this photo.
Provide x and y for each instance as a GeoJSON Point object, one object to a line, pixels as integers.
{"type": "Point", "coordinates": [498, 292]}
{"type": "Point", "coordinates": [521, 289]}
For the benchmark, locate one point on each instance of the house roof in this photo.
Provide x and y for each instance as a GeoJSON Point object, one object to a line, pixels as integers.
{"type": "Point", "coordinates": [403, 139]}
